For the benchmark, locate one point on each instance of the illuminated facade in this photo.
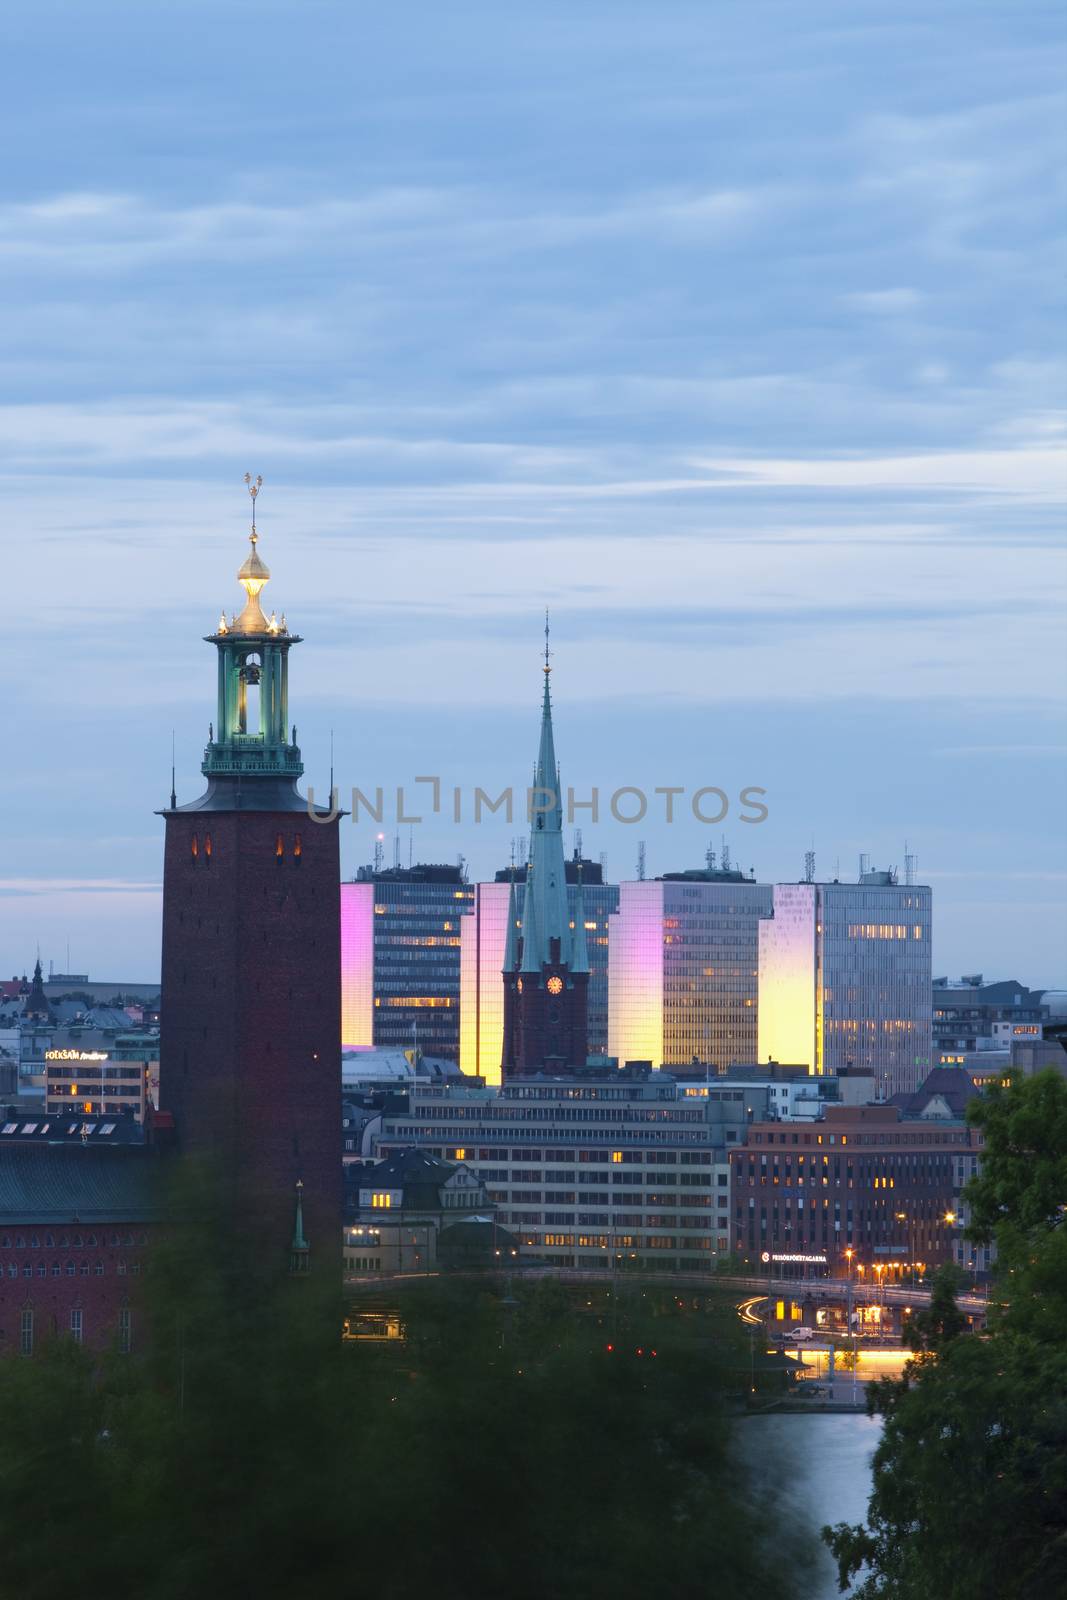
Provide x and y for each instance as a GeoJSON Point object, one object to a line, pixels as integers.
{"type": "Point", "coordinates": [845, 979]}
{"type": "Point", "coordinates": [400, 959]}
{"type": "Point", "coordinates": [682, 971]}
{"type": "Point", "coordinates": [484, 936]}
{"type": "Point", "coordinates": [102, 1075]}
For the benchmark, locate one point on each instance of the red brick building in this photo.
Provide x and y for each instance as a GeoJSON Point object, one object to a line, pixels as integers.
{"type": "Point", "coordinates": [251, 993]}
{"type": "Point", "coordinates": [859, 1180]}
{"type": "Point", "coordinates": [77, 1217]}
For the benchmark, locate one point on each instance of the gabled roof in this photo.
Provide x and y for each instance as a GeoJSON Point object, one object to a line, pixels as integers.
{"type": "Point", "coordinates": [952, 1084]}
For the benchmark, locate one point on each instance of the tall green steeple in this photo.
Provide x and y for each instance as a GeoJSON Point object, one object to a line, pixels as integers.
{"type": "Point", "coordinates": [546, 929]}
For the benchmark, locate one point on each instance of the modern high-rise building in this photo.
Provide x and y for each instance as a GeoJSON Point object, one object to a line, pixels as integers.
{"type": "Point", "coordinates": [683, 963]}
{"type": "Point", "coordinates": [251, 982]}
{"type": "Point", "coordinates": [400, 958]}
{"type": "Point", "coordinates": [484, 936]}
{"type": "Point", "coordinates": [845, 979]}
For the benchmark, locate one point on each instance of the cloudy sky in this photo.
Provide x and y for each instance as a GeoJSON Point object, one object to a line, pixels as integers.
{"type": "Point", "coordinates": [731, 332]}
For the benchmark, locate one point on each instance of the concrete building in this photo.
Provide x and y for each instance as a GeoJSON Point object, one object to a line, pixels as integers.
{"type": "Point", "coordinates": [588, 1172]}
{"type": "Point", "coordinates": [100, 1073]}
{"type": "Point", "coordinates": [683, 965]}
{"type": "Point", "coordinates": [400, 958]}
{"type": "Point", "coordinates": [971, 1015]}
{"type": "Point", "coordinates": [845, 979]}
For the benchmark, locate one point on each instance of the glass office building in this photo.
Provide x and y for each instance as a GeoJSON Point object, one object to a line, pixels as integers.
{"type": "Point", "coordinates": [683, 970]}
{"type": "Point", "coordinates": [845, 979]}
{"type": "Point", "coordinates": [400, 958]}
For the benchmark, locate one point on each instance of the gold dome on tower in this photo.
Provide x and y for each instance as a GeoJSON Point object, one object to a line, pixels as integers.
{"type": "Point", "coordinates": [252, 576]}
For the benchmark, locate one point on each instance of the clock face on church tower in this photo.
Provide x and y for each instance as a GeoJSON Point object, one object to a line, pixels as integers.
{"type": "Point", "coordinates": [555, 985]}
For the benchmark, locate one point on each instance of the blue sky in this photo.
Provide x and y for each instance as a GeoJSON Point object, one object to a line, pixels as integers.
{"type": "Point", "coordinates": [733, 333]}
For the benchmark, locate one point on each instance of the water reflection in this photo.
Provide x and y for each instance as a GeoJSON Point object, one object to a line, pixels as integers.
{"type": "Point", "coordinates": [828, 1472]}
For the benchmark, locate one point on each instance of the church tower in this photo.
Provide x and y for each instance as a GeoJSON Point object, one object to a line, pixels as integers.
{"type": "Point", "coordinates": [250, 1023]}
{"type": "Point", "coordinates": [546, 961]}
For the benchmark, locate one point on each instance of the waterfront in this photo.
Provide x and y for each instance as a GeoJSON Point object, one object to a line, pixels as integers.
{"type": "Point", "coordinates": [820, 1466]}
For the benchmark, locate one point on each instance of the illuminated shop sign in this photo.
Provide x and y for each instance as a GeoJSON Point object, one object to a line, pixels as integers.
{"type": "Point", "coordinates": [818, 1261]}
{"type": "Point", "coordinates": [76, 1055]}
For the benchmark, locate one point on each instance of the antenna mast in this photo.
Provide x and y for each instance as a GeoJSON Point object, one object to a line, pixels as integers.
{"type": "Point", "coordinates": [641, 861]}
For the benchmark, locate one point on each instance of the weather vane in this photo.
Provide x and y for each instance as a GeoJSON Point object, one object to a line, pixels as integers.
{"type": "Point", "coordinates": [254, 486]}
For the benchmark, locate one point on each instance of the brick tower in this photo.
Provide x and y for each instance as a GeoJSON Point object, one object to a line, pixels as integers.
{"type": "Point", "coordinates": [250, 1023]}
{"type": "Point", "coordinates": [546, 963]}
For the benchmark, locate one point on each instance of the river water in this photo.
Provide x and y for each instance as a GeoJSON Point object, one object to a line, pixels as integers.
{"type": "Point", "coordinates": [820, 1466]}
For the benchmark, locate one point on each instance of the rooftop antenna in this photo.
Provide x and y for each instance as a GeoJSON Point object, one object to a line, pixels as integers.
{"type": "Point", "coordinates": [173, 796]}
{"type": "Point", "coordinates": [396, 850]}
{"type": "Point", "coordinates": [865, 864]}
{"type": "Point", "coordinates": [461, 863]}
{"type": "Point", "coordinates": [548, 652]}
{"type": "Point", "coordinates": [603, 864]}
{"type": "Point", "coordinates": [709, 858]}
{"type": "Point", "coordinates": [809, 866]}
{"type": "Point", "coordinates": [910, 865]}
{"type": "Point", "coordinates": [411, 845]}
{"type": "Point", "coordinates": [522, 853]}
{"type": "Point", "coordinates": [725, 855]}
{"type": "Point", "coordinates": [577, 844]}
{"type": "Point", "coordinates": [379, 852]}
{"type": "Point", "coordinates": [253, 486]}
{"type": "Point", "coordinates": [640, 861]}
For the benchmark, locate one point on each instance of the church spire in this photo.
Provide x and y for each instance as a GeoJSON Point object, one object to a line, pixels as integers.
{"type": "Point", "coordinates": [546, 922]}
{"type": "Point", "coordinates": [299, 1250]}
{"type": "Point", "coordinates": [37, 1008]}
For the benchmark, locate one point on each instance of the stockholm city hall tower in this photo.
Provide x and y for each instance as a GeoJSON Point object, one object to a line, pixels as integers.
{"type": "Point", "coordinates": [250, 1021]}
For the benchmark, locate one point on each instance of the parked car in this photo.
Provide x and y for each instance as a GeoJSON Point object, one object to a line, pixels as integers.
{"type": "Point", "coordinates": [800, 1333]}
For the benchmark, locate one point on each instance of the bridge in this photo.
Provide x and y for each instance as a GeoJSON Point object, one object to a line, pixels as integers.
{"type": "Point", "coordinates": [822, 1289]}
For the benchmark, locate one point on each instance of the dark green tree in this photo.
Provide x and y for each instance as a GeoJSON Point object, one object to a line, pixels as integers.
{"type": "Point", "coordinates": [970, 1476]}
{"type": "Point", "coordinates": [501, 1448]}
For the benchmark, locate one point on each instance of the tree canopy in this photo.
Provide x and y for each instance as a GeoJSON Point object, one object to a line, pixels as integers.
{"type": "Point", "coordinates": [970, 1476]}
{"type": "Point", "coordinates": [526, 1444]}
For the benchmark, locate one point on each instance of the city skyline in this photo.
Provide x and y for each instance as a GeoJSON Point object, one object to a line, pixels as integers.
{"type": "Point", "coordinates": [755, 391]}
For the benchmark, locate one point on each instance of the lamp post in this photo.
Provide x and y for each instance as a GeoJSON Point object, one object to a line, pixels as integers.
{"type": "Point", "coordinates": [849, 1253]}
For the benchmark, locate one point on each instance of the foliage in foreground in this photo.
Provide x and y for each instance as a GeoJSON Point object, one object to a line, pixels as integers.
{"type": "Point", "coordinates": [503, 1449]}
{"type": "Point", "coordinates": [970, 1476]}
